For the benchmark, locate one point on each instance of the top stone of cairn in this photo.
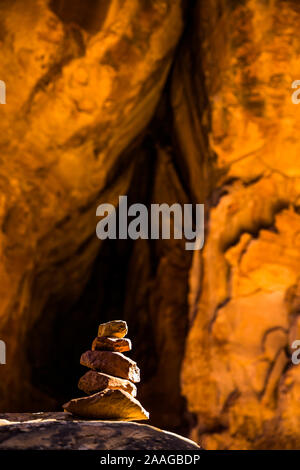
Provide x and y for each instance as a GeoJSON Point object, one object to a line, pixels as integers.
{"type": "Point", "coordinates": [115, 329]}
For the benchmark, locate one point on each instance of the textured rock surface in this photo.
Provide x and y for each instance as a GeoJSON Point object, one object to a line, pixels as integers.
{"type": "Point", "coordinates": [112, 363]}
{"type": "Point", "coordinates": [111, 344]}
{"type": "Point", "coordinates": [156, 289]}
{"type": "Point", "coordinates": [73, 107]}
{"type": "Point", "coordinates": [237, 376]}
{"type": "Point", "coordinates": [58, 431]}
{"type": "Point", "coordinates": [116, 328]}
{"type": "Point", "coordinates": [216, 328]}
{"type": "Point", "coordinates": [93, 382]}
{"type": "Point", "coordinates": [108, 404]}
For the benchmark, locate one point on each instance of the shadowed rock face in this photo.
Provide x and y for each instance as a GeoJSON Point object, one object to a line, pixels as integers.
{"type": "Point", "coordinates": [89, 15]}
{"type": "Point", "coordinates": [215, 326]}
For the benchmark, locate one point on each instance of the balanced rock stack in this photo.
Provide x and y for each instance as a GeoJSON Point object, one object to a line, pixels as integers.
{"type": "Point", "coordinates": [110, 383]}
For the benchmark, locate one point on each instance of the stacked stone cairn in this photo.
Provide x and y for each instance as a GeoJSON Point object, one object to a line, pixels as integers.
{"type": "Point", "coordinates": [110, 382]}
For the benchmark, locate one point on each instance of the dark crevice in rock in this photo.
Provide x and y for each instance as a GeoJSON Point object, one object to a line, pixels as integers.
{"type": "Point", "coordinates": [256, 226]}
{"type": "Point", "coordinates": [88, 14]}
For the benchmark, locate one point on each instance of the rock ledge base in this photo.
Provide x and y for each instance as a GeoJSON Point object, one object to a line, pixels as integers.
{"type": "Point", "coordinates": [61, 431]}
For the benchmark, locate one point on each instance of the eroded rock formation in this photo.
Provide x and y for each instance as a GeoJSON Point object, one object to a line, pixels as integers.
{"type": "Point", "coordinates": [237, 373]}
{"type": "Point", "coordinates": [213, 331]}
{"type": "Point", "coordinates": [79, 91]}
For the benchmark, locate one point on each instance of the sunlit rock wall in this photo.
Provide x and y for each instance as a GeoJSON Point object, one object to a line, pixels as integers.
{"type": "Point", "coordinates": [83, 80]}
{"type": "Point", "coordinates": [237, 128]}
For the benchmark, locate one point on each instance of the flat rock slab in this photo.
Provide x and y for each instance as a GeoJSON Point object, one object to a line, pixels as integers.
{"type": "Point", "coordinates": [59, 431]}
{"type": "Point", "coordinates": [93, 382]}
{"type": "Point", "coordinates": [108, 404]}
{"type": "Point", "coordinates": [105, 343]}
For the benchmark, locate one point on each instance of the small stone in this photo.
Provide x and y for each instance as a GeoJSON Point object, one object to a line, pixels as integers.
{"type": "Point", "coordinates": [112, 363]}
{"type": "Point", "coordinates": [93, 382]}
{"type": "Point", "coordinates": [105, 343]}
{"type": "Point", "coordinates": [115, 328]}
{"type": "Point", "coordinates": [108, 404]}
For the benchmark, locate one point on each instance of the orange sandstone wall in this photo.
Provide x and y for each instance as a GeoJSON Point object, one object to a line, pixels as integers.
{"type": "Point", "coordinates": [165, 104]}
{"type": "Point", "coordinates": [237, 373]}
{"type": "Point", "coordinates": [79, 91]}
